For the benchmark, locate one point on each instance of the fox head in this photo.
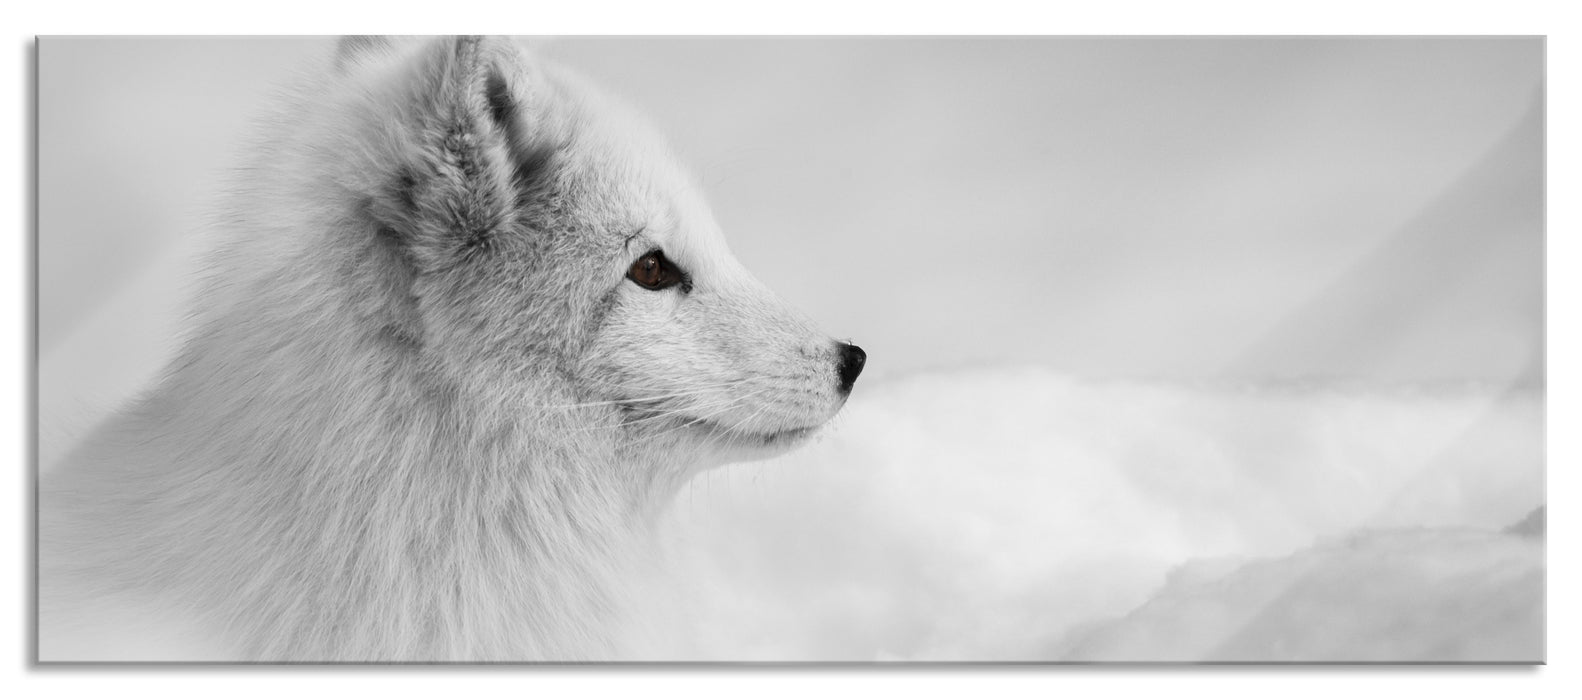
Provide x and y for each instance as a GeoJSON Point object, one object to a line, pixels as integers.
{"type": "Point", "coordinates": [508, 230]}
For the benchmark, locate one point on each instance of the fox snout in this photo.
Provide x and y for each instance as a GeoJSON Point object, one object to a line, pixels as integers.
{"type": "Point", "coordinates": [852, 358]}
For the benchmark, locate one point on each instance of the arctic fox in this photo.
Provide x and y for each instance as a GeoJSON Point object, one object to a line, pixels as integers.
{"type": "Point", "coordinates": [467, 332]}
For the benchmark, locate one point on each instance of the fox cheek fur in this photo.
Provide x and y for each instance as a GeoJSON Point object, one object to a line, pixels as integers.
{"type": "Point", "coordinates": [727, 357]}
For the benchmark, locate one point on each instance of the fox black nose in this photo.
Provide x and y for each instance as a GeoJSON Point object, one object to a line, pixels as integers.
{"type": "Point", "coordinates": [852, 359]}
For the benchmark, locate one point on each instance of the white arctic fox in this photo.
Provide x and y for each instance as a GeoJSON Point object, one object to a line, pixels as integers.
{"type": "Point", "coordinates": [468, 331]}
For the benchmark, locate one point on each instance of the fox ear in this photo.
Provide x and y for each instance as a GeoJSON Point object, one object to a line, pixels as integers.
{"type": "Point", "coordinates": [458, 157]}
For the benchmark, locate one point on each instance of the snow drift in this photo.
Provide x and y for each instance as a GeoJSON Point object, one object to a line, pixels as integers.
{"type": "Point", "coordinates": [1023, 515]}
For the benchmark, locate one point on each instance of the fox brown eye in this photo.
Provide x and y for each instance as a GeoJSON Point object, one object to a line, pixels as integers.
{"type": "Point", "coordinates": [654, 271]}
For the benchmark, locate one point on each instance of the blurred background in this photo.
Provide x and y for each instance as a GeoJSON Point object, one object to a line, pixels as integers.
{"type": "Point", "coordinates": [1129, 303]}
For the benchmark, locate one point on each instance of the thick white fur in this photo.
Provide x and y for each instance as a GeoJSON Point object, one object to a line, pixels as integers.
{"type": "Point", "coordinates": [421, 413]}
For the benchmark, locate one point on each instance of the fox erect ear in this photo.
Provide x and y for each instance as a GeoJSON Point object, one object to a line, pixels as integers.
{"type": "Point", "coordinates": [460, 150]}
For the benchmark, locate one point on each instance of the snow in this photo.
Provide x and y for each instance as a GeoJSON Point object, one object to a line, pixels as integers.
{"type": "Point", "coordinates": [1020, 514]}
{"type": "Point", "coordinates": [1404, 596]}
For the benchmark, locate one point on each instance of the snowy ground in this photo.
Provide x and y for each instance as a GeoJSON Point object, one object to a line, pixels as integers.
{"type": "Point", "coordinates": [1019, 514]}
